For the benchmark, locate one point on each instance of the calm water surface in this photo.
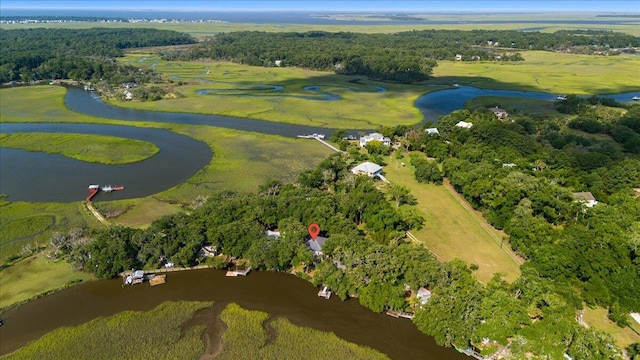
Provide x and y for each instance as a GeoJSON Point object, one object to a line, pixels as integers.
{"type": "Point", "coordinates": [278, 294]}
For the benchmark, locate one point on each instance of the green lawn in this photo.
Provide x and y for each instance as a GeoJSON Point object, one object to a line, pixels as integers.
{"type": "Point", "coordinates": [452, 230]}
{"type": "Point", "coordinates": [597, 318]}
{"type": "Point", "coordinates": [33, 276]}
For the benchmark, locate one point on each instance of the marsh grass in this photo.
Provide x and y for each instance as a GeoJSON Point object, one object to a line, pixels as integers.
{"type": "Point", "coordinates": [243, 91]}
{"type": "Point", "coordinates": [556, 73]}
{"type": "Point", "coordinates": [31, 224]}
{"type": "Point", "coordinates": [242, 161]}
{"type": "Point", "coordinates": [452, 231]}
{"type": "Point", "coordinates": [85, 147]}
{"type": "Point", "coordinates": [155, 334]}
{"type": "Point", "coordinates": [247, 338]}
{"type": "Point", "coordinates": [34, 276]}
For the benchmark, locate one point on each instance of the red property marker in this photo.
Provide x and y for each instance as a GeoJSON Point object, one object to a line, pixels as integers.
{"type": "Point", "coordinates": [314, 230]}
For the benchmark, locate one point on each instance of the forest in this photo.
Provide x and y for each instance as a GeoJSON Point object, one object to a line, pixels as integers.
{"type": "Point", "coordinates": [404, 57]}
{"type": "Point", "coordinates": [78, 54]}
{"type": "Point", "coordinates": [575, 255]}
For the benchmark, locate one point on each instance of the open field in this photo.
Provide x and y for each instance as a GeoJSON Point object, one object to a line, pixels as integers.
{"type": "Point", "coordinates": [453, 231]}
{"type": "Point", "coordinates": [140, 213]}
{"type": "Point", "coordinates": [279, 94]}
{"type": "Point", "coordinates": [33, 276]}
{"type": "Point", "coordinates": [597, 319]}
{"type": "Point", "coordinates": [85, 147]}
{"type": "Point", "coordinates": [162, 333]}
{"type": "Point", "coordinates": [555, 73]}
{"type": "Point", "coordinates": [252, 335]}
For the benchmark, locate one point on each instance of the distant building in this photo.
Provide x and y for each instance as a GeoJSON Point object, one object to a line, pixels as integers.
{"type": "Point", "coordinates": [499, 113]}
{"type": "Point", "coordinates": [586, 198]}
{"type": "Point", "coordinates": [510, 165]}
{"type": "Point", "coordinates": [127, 95]}
{"type": "Point", "coordinates": [368, 168]}
{"type": "Point", "coordinates": [273, 234]}
{"type": "Point", "coordinates": [375, 136]}
{"type": "Point", "coordinates": [458, 57]}
{"type": "Point", "coordinates": [464, 125]}
{"type": "Point", "coordinates": [278, 62]}
{"type": "Point", "coordinates": [432, 131]}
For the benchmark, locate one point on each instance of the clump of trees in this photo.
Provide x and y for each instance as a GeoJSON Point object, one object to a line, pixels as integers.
{"type": "Point", "coordinates": [78, 54]}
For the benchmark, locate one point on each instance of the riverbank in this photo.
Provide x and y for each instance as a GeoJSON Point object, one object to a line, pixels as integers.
{"type": "Point", "coordinates": [278, 294]}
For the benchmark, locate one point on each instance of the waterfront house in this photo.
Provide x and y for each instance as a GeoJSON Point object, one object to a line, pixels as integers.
{"type": "Point", "coordinates": [585, 198]}
{"type": "Point", "coordinates": [424, 295]}
{"type": "Point", "coordinates": [315, 245]}
{"type": "Point", "coordinates": [368, 168]}
{"type": "Point", "coordinates": [375, 137]}
{"type": "Point", "coordinates": [499, 113]}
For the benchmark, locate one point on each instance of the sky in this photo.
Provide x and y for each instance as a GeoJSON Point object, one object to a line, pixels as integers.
{"type": "Point", "coordinates": [335, 5]}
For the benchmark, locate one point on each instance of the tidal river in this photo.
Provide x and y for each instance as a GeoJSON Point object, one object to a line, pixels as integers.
{"type": "Point", "coordinates": [278, 294]}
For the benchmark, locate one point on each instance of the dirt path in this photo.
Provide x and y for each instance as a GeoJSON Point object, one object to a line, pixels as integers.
{"type": "Point", "coordinates": [95, 212]}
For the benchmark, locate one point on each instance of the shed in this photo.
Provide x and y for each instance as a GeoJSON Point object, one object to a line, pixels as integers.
{"type": "Point", "coordinates": [586, 198]}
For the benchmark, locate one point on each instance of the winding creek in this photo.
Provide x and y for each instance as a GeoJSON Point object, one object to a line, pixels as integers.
{"type": "Point", "coordinates": [43, 177]}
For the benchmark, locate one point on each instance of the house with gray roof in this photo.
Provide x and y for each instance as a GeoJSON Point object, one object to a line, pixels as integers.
{"type": "Point", "coordinates": [315, 245]}
{"type": "Point", "coordinates": [368, 168]}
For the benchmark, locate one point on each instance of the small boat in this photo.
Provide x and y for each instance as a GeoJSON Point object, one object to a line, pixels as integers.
{"type": "Point", "coordinates": [107, 188]}
{"type": "Point", "coordinates": [561, 97]}
{"type": "Point", "coordinates": [94, 186]}
{"type": "Point", "coordinates": [118, 188]}
{"type": "Point", "coordinates": [636, 98]}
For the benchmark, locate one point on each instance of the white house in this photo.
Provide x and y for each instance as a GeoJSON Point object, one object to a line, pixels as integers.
{"type": "Point", "coordinates": [432, 131]}
{"type": "Point", "coordinates": [424, 295]}
{"type": "Point", "coordinates": [368, 168]}
{"type": "Point", "coordinates": [586, 198]}
{"type": "Point", "coordinates": [458, 57]}
{"type": "Point", "coordinates": [464, 125]}
{"type": "Point", "coordinates": [278, 62]}
{"type": "Point", "coordinates": [127, 95]}
{"type": "Point", "coordinates": [375, 136]}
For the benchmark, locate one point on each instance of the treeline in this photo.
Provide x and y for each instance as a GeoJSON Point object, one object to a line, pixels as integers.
{"type": "Point", "coordinates": [522, 173]}
{"type": "Point", "coordinates": [36, 54]}
{"type": "Point", "coordinates": [404, 57]}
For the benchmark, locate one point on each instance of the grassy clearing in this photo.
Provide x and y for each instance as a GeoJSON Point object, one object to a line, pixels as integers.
{"type": "Point", "coordinates": [251, 335]}
{"type": "Point", "coordinates": [33, 276]}
{"type": "Point", "coordinates": [597, 318]}
{"type": "Point", "coordinates": [144, 211]}
{"type": "Point", "coordinates": [31, 224]}
{"type": "Point", "coordinates": [91, 148]}
{"type": "Point", "coordinates": [453, 231]}
{"type": "Point", "coordinates": [155, 334]}
{"type": "Point", "coordinates": [555, 73]}
{"type": "Point", "coordinates": [246, 92]}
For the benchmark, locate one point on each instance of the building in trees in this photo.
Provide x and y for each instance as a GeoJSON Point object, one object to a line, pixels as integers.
{"type": "Point", "coordinates": [375, 136]}
{"type": "Point", "coordinates": [585, 198]}
{"type": "Point", "coordinates": [464, 124]}
{"type": "Point", "coordinates": [368, 168]}
{"type": "Point", "coordinates": [316, 244]}
{"type": "Point", "coordinates": [499, 113]}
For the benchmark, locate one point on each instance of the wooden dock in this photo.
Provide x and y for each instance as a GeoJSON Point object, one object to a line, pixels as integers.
{"type": "Point", "coordinates": [398, 314]}
{"type": "Point", "coordinates": [238, 272]}
{"type": "Point", "coordinates": [325, 293]}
